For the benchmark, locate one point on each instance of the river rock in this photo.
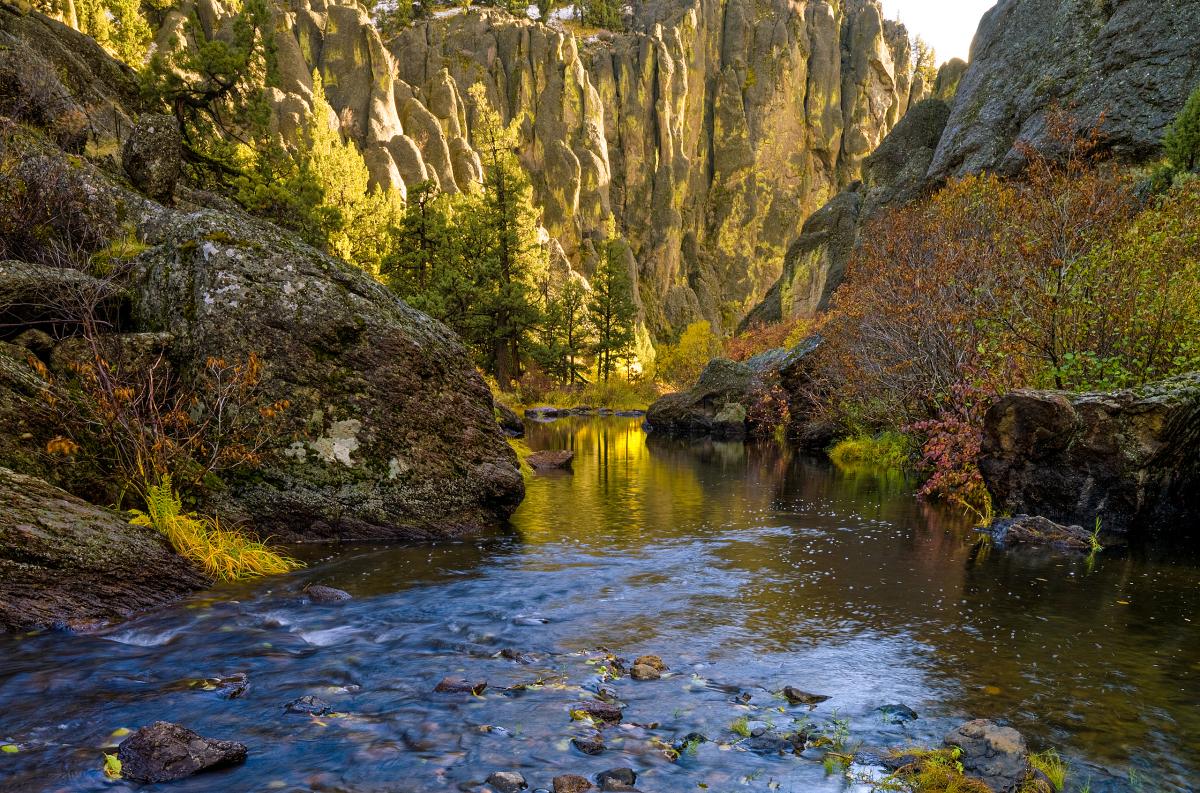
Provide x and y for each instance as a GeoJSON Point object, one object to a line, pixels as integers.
{"type": "Point", "coordinates": [165, 752]}
{"type": "Point", "coordinates": [544, 413]}
{"type": "Point", "coordinates": [66, 562]}
{"type": "Point", "coordinates": [571, 783]}
{"type": "Point", "coordinates": [460, 685]}
{"type": "Point", "coordinates": [995, 755]}
{"type": "Point", "coordinates": [309, 706]}
{"type": "Point", "coordinates": [896, 714]}
{"type": "Point", "coordinates": [319, 593]}
{"type": "Point", "coordinates": [593, 744]}
{"type": "Point", "coordinates": [1128, 458]}
{"type": "Point", "coordinates": [551, 460]}
{"type": "Point", "coordinates": [795, 696]}
{"type": "Point", "coordinates": [603, 712]}
{"type": "Point", "coordinates": [507, 782]}
{"type": "Point", "coordinates": [1036, 530]}
{"type": "Point", "coordinates": [644, 672]}
{"type": "Point", "coordinates": [617, 779]}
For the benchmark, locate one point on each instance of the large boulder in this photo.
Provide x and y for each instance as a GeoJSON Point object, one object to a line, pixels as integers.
{"type": "Point", "coordinates": [1130, 459]}
{"type": "Point", "coordinates": [1126, 66]}
{"type": "Point", "coordinates": [153, 156]}
{"type": "Point", "coordinates": [64, 562]}
{"type": "Point", "coordinates": [390, 431]}
{"type": "Point", "coordinates": [723, 402]}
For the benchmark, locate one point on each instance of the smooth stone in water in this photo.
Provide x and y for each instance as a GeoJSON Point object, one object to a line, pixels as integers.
{"type": "Point", "coordinates": [616, 779]}
{"type": "Point", "coordinates": [571, 783]}
{"type": "Point", "coordinates": [797, 697]}
{"type": "Point", "coordinates": [507, 782]}
{"type": "Point", "coordinates": [164, 752]}
{"type": "Point", "coordinates": [460, 685]}
{"type": "Point", "coordinates": [606, 712]}
{"type": "Point", "coordinates": [551, 460]}
{"type": "Point", "coordinates": [644, 672]}
{"type": "Point", "coordinates": [319, 593]}
{"type": "Point", "coordinates": [591, 745]}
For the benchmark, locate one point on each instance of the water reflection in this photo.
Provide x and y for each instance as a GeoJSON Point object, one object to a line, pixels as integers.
{"type": "Point", "coordinates": [747, 567]}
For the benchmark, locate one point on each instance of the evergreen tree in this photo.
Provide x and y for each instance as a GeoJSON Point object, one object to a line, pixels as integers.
{"type": "Point", "coordinates": [601, 13]}
{"type": "Point", "coordinates": [511, 258]}
{"type": "Point", "coordinates": [216, 88]}
{"type": "Point", "coordinates": [925, 62]}
{"type": "Point", "coordinates": [612, 307]}
{"type": "Point", "coordinates": [1182, 141]}
{"type": "Point", "coordinates": [566, 331]}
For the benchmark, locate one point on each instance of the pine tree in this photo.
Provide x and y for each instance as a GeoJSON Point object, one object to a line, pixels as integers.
{"type": "Point", "coordinates": [216, 88]}
{"type": "Point", "coordinates": [1182, 141]}
{"type": "Point", "coordinates": [566, 331]}
{"type": "Point", "coordinates": [511, 258]}
{"type": "Point", "coordinates": [612, 307]}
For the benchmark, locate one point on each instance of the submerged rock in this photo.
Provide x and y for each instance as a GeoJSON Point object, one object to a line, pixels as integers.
{"type": "Point", "coordinates": [604, 712]}
{"type": "Point", "coordinates": [551, 460]}
{"type": "Point", "coordinates": [165, 752]}
{"type": "Point", "coordinates": [995, 755]}
{"type": "Point", "coordinates": [897, 714]}
{"type": "Point", "coordinates": [1128, 458]}
{"type": "Point", "coordinates": [66, 562]}
{"type": "Point", "coordinates": [507, 782]}
{"type": "Point", "coordinates": [647, 667]}
{"type": "Point", "coordinates": [308, 706]}
{"type": "Point", "coordinates": [1036, 530]}
{"type": "Point", "coordinates": [460, 685]}
{"type": "Point", "coordinates": [319, 593]}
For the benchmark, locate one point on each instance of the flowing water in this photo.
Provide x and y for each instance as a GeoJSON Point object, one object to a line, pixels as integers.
{"type": "Point", "coordinates": [746, 568]}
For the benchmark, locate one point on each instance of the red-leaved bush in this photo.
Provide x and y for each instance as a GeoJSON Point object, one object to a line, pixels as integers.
{"type": "Point", "coordinates": [950, 444]}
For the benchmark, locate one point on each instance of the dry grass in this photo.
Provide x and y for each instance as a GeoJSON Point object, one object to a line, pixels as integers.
{"type": "Point", "coordinates": [224, 554]}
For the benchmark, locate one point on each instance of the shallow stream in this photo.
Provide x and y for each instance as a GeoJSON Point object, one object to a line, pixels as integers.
{"type": "Point", "coordinates": [746, 568]}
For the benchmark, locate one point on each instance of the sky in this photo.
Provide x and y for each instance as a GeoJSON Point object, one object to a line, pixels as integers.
{"type": "Point", "coordinates": [948, 25]}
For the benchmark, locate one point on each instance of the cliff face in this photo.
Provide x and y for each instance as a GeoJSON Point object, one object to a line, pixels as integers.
{"type": "Point", "coordinates": [706, 138]}
{"type": "Point", "coordinates": [1124, 67]}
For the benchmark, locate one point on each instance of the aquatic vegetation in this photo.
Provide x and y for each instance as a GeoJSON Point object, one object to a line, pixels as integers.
{"type": "Point", "coordinates": [523, 451]}
{"type": "Point", "coordinates": [930, 771]}
{"type": "Point", "coordinates": [885, 450]}
{"type": "Point", "coordinates": [224, 554]}
{"type": "Point", "coordinates": [741, 726]}
{"type": "Point", "coordinates": [1053, 766]}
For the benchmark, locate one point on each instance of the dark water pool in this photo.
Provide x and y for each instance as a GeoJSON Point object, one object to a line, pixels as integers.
{"type": "Point", "coordinates": [746, 568]}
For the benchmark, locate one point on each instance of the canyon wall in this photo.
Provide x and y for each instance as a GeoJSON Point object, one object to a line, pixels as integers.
{"type": "Point", "coordinates": [705, 138]}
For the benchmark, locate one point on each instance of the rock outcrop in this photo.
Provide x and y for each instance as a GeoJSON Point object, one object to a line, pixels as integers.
{"type": "Point", "coordinates": [1125, 67]}
{"type": "Point", "coordinates": [707, 136]}
{"type": "Point", "coordinates": [165, 752]}
{"type": "Point", "coordinates": [1129, 459]}
{"type": "Point", "coordinates": [65, 563]}
{"type": "Point", "coordinates": [995, 755]}
{"type": "Point", "coordinates": [725, 402]}
{"type": "Point", "coordinates": [389, 430]}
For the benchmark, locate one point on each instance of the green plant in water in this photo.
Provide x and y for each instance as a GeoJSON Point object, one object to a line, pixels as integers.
{"type": "Point", "coordinates": [223, 554]}
{"type": "Point", "coordinates": [741, 726]}
{"type": "Point", "coordinates": [888, 450]}
{"type": "Point", "coordinates": [523, 451]}
{"type": "Point", "coordinates": [1053, 766]}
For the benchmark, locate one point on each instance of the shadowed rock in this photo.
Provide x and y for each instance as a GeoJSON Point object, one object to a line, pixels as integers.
{"type": "Point", "coordinates": [1036, 530]}
{"type": "Point", "coordinates": [551, 460]}
{"type": "Point", "coordinates": [995, 755]}
{"type": "Point", "coordinates": [165, 752]}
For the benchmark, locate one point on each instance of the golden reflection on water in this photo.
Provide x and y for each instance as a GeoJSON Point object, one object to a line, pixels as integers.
{"type": "Point", "coordinates": [794, 556]}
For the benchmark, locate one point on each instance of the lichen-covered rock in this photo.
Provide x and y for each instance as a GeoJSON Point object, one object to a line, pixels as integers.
{"type": "Point", "coordinates": [152, 156]}
{"type": "Point", "coordinates": [509, 421]}
{"type": "Point", "coordinates": [1128, 66]}
{"type": "Point", "coordinates": [64, 562]}
{"type": "Point", "coordinates": [995, 755]}
{"type": "Point", "coordinates": [390, 431]}
{"type": "Point", "coordinates": [165, 752]}
{"type": "Point", "coordinates": [1130, 458]}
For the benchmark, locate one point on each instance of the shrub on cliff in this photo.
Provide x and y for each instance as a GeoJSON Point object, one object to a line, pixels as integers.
{"type": "Point", "coordinates": [1061, 279]}
{"type": "Point", "coordinates": [1182, 141]}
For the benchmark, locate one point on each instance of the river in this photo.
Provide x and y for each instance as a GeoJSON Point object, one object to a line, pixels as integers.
{"type": "Point", "coordinates": [745, 567]}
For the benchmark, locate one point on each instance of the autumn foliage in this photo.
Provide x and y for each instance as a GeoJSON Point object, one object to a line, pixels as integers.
{"type": "Point", "coordinates": [1065, 278]}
